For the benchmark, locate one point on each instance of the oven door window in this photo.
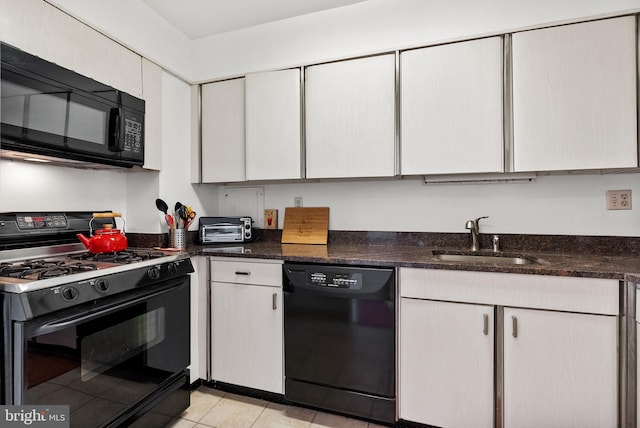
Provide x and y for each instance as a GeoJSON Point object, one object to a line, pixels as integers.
{"type": "Point", "coordinates": [108, 347]}
{"type": "Point", "coordinates": [102, 363]}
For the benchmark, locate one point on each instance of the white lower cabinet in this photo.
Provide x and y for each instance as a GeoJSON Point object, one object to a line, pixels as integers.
{"type": "Point", "coordinates": [560, 369]}
{"type": "Point", "coordinates": [556, 350]}
{"type": "Point", "coordinates": [247, 324]}
{"type": "Point", "coordinates": [637, 421]}
{"type": "Point", "coordinates": [446, 363]}
{"type": "Point", "coordinates": [199, 308]}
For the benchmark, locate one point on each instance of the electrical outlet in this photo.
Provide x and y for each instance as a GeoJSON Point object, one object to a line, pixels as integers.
{"type": "Point", "coordinates": [297, 201]}
{"type": "Point", "coordinates": [619, 199]}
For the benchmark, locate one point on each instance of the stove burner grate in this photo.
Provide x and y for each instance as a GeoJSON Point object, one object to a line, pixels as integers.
{"type": "Point", "coordinates": [43, 269]}
{"type": "Point", "coordinates": [122, 257]}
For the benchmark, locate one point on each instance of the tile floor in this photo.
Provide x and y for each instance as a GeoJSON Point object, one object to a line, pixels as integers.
{"type": "Point", "coordinates": [218, 409]}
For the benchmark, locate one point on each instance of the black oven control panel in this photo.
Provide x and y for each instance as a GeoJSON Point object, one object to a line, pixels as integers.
{"type": "Point", "coordinates": [33, 228]}
{"type": "Point", "coordinates": [350, 280]}
{"type": "Point", "coordinates": [48, 221]}
{"type": "Point", "coordinates": [114, 283]}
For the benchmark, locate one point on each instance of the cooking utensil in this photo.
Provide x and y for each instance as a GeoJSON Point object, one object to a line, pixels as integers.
{"type": "Point", "coordinates": [191, 217]}
{"type": "Point", "coordinates": [178, 216]}
{"type": "Point", "coordinates": [162, 206]}
{"type": "Point", "coordinates": [106, 240]}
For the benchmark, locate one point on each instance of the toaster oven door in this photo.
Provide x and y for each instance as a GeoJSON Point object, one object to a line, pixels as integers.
{"type": "Point", "coordinates": [223, 232]}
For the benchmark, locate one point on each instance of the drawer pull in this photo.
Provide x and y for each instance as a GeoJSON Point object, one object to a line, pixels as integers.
{"type": "Point", "coordinates": [238, 272]}
{"type": "Point", "coordinates": [485, 328]}
{"type": "Point", "coordinates": [274, 301]}
{"type": "Point", "coordinates": [514, 322]}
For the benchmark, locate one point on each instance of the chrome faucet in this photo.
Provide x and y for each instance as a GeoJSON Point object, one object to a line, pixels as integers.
{"type": "Point", "coordinates": [474, 228]}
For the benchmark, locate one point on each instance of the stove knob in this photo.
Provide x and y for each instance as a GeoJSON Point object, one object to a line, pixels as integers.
{"type": "Point", "coordinates": [154, 273]}
{"type": "Point", "coordinates": [173, 268]}
{"type": "Point", "coordinates": [69, 293]}
{"type": "Point", "coordinates": [102, 285]}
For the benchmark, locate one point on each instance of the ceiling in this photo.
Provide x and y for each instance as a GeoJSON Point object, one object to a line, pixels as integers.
{"type": "Point", "coordinates": [201, 18]}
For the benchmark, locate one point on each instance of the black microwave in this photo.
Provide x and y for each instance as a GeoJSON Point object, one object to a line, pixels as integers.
{"type": "Point", "coordinates": [52, 112]}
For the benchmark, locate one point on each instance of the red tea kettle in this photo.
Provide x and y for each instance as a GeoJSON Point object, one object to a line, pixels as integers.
{"type": "Point", "coordinates": [107, 239]}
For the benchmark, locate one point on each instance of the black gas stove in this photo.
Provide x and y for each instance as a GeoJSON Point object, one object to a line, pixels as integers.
{"type": "Point", "coordinates": [54, 271]}
{"type": "Point", "coordinates": [115, 324]}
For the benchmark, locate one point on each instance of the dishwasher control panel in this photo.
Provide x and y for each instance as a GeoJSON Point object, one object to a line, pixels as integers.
{"type": "Point", "coordinates": [352, 280]}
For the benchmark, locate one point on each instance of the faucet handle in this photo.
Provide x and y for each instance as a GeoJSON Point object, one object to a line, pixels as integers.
{"type": "Point", "coordinates": [480, 218]}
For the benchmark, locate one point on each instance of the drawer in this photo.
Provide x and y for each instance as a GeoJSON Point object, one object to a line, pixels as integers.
{"type": "Point", "coordinates": [560, 293]}
{"type": "Point", "coordinates": [247, 271]}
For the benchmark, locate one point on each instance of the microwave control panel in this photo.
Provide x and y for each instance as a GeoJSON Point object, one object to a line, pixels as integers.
{"type": "Point", "coordinates": [132, 135]}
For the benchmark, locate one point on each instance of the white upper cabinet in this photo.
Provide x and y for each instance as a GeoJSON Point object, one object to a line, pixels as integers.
{"type": "Point", "coordinates": [152, 95]}
{"type": "Point", "coordinates": [451, 108]}
{"type": "Point", "coordinates": [574, 96]}
{"type": "Point", "coordinates": [350, 118]}
{"type": "Point", "coordinates": [223, 144]}
{"type": "Point", "coordinates": [273, 123]}
{"type": "Point", "coordinates": [45, 31]}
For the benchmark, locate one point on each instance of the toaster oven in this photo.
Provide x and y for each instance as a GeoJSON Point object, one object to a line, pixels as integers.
{"type": "Point", "coordinates": [225, 229]}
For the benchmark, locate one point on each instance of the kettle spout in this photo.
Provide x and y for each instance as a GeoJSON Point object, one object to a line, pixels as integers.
{"type": "Point", "coordinates": [83, 239]}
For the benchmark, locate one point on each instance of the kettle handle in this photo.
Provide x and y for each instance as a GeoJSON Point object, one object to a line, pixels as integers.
{"type": "Point", "coordinates": [106, 215]}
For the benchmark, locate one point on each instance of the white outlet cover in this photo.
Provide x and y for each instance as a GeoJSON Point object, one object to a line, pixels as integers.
{"type": "Point", "coordinates": [619, 199]}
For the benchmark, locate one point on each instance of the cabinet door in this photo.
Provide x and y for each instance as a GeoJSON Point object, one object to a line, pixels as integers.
{"type": "Point", "coordinates": [223, 147]}
{"type": "Point", "coordinates": [350, 118]}
{"type": "Point", "coordinates": [44, 30]}
{"type": "Point", "coordinates": [446, 363]}
{"type": "Point", "coordinates": [560, 369]}
{"type": "Point", "coordinates": [451, 108]}
{"type": "Point", "coordinates": [273, 123]}
{"type": "Point", "coordinates": [574, 96]}
{"type": "Point", "coordinates": [199, 308]}
{"type": "Point", "coordinates": [152, 94]}
{"type": "Point", "coordinates": [246, 335]}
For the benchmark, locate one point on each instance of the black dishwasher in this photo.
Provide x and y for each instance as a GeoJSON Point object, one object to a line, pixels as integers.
{"type": "Point", "coordinates": [340, 338]}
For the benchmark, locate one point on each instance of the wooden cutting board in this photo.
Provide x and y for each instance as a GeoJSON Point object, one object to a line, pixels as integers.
{"type": "Point", "coordinates": [305, 226]}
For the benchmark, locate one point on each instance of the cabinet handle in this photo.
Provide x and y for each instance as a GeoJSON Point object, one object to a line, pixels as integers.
{"type": "Point", "coordinates": [238, 272]}
{"type": "Point", "coordinates": [514, 322]}
{"type": "Point", "coordinates": [274, 301]}
{"type": "Point", "coordinates": [485, 328]}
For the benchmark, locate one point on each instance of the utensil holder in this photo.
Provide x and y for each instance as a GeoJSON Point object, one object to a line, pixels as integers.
{"type": "Point", "coordinates": [178, 238]}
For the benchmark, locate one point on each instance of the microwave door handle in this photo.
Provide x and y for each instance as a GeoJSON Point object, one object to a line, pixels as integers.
{"type": "Point", "coordinates": [116, 129]}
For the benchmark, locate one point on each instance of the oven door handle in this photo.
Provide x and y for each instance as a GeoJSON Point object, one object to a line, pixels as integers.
{"type": "Point", "coordinates": [68, 321]}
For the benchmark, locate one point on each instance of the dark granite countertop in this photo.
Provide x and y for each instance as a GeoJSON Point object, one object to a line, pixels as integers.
{"type": "Point", "coordinates": [560, 255]}
{"type": "Point", "coordinates": [546, 263]}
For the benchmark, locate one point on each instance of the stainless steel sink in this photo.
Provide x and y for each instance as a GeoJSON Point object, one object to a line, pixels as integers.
{"type": "Point", "coordinates": [497, 258]}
